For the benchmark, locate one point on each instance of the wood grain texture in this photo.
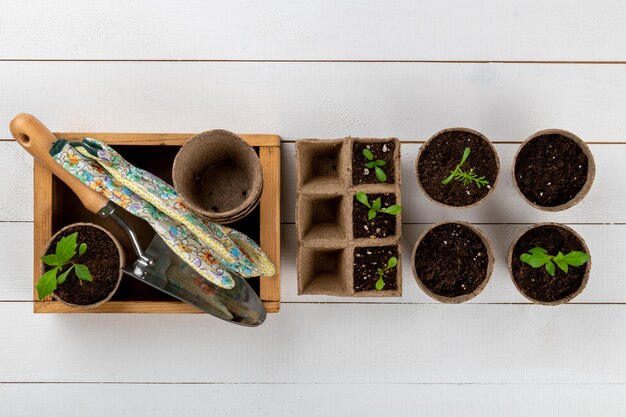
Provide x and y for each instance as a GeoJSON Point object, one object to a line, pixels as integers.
{"type": "Point", "coordinates": [324, 343]}
{"type": "Point", "coordinates": [136, 307]}
{"type": "Point", "coordinates": [270, 212]}
{"type": "Point", "coordinates": [309, 400]}
{"type": "Point", "coordinates": [411, 101]}
{"type": "Point", "coordinates": [161, 138]}
{"type": "Point", "coordinates": [297, 29]}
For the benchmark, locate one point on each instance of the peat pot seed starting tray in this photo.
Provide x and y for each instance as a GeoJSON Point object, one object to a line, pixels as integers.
{"type": "Point", "coordinates": [57, 206]}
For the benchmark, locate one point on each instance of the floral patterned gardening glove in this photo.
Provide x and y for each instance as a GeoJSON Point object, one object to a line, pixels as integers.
{"type": "Point", "coordinates": [210, 249]}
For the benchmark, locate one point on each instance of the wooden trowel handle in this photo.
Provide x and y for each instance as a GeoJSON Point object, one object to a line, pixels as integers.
{"type": "Point", "coordinates": [29, 132]}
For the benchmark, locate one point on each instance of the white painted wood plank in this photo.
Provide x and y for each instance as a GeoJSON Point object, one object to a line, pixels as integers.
{"type": "Point", "coordinates": [303, 400]}
{"type": "Point", "coordinates": [323, 343]}
{"type": "Point", "coordinates": [504, 206]}
{"type": "Point", "coordinates": [606, 283]}
{"type": "Point", "coordinates": [603, 204]}
{"type": "Point", "coordinates": [288, 29]}
{"type": "Point", "coordinates": [412, 101]}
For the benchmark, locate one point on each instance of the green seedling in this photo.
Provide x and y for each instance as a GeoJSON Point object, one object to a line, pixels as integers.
{"type": "Point", "coordinates": [64, 253]}
{"type": "Point", "coordinates": [538, 257]}
{"type": "Point", "coordinates": [469, 177]}
{"type": "Point", "coordinates": [391, 263]}
{"type": "Point", "coordinates": [376, 164]}
{"type": "Point", "coordinates": [376, 205]}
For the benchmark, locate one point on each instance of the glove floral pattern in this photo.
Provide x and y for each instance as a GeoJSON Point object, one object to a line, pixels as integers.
{"type": "Point", "coordinates": [212, 250]}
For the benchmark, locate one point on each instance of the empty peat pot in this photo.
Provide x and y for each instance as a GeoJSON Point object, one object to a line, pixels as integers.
{"type": "Point", "coordinates": [553, 170]}
{"type": "Point", "coordinates": [536, 284]}
{"type": "Point", "coordinates": [104, 257]}
{"type": "Point", "coordinates": [218, 175]}
{"type": "Point", "coordinates": [457, 167]}
{"type": "Point", "coordinates": [452, 261]}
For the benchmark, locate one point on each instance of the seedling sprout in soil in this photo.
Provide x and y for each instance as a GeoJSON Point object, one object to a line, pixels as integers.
{"type": "Point", "coordinates": [64, 252]}
{"type": "Point", "coordinates": [391, 263]}
{"type": "Point", "coordinates": [538, 257]}
{"type": "Point", "coordinates": [375, 207]}
{"type": "Point", "coordinates": [376, 164]}
{"type": "Point", "coordinates": [469, 177]}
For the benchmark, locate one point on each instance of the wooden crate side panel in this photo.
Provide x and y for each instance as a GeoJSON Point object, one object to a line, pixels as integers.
{"type": "Point", "coordinates": [270, 219]}
{"type": "Point", "coordinates": [160, 138]}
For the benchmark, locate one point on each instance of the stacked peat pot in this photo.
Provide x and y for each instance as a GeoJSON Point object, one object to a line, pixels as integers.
{"type": "Point", "coordinates": [549, 263]}
{"type": "Point", "coordinates": [219, 176]}
{"type": "Point", "coordinates": [348, 217]}
{"type": "Point", "coordinates": [452, 260]}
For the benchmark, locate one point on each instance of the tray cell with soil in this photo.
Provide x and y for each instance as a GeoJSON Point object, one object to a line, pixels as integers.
{"type": "Point", "coordinates": [452, 262]}
{"type": "Point", "coordinates": [334, 226]}
{"type": "Point", "coordinates": [457, 167]}
{"type": "Point", "coordinates": [553, 170]}
{"type": "Point", "coordinates": [377, 268]}
{"type": "Point", "coordinates": [374, 161]}
{"type": "Point", "coordinates": [549, 264]}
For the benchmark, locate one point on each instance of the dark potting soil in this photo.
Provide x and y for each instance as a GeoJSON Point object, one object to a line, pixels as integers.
{"type": "Point", "coordinates": [551, 169]}
{"type": "Point", "coordinates": [382, 151]}
{"type": "Point", "coordinates": [537, 283]}
{"type": "Point", "coordinates": [383, 225]}
{"type": "Point", "coordinates": [441, 157]}
{"type": "Point", "coordinates": [103, 261]}
{"type": "Point", "coordinates": [366, 263]}
{"type": "Point", "coordinates": [451, 260]}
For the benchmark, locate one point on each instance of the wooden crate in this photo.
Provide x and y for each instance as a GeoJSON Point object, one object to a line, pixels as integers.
{"type": "Point", "coordinates": [56, 206]}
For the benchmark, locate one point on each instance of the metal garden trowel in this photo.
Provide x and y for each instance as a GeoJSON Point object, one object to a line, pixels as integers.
{"type": "Point", "coordinates": [158, 266]}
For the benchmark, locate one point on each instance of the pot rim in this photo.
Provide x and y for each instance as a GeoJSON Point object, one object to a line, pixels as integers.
{"type": "Point", "coordinates": [465, 297]}
{"type": "Point", "coordinates": [564, 300]}
{"type": "Point", "coordinates": [458, 129]}
{"type": "Point", "coordinates": [591, 169]}
{"type": "Point", "coordinates": [120, 252]}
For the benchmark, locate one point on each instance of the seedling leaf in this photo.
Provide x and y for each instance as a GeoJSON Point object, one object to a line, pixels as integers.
{"type": "Point", "coordinates": [393, 210]}
{"type": "Point", "coordinates": [393, 261]}
{"type": "Point", "coordinates": [82, 272]}
{"type": "Point", "coordinates": [380, 163]}
{"type": "Point", "coordinates": [376, 205]}
{"type": "Point", "coordinates": [537, 257]}
{"type": "Point", "coordinates": [61, 279]}
{"type": "Point", "coordinates": [368, 154]}
{"type": "Point", "coordinates": [66, 248]}
{"type": "Point", "coordinates": [380, 284]}
{"type": "Point", "coordinates": [463, 176]}
{"type": "Point", "coordinates": [576, 258]}
{"type": "Point", "coordinates": [550, 268]}
{"type": "Point", "coordinates": [82, 249]}
{"type": "Point", "coordinates": [47, 283]}
{"type": "Point", "coordinates": [380, 174]}
{"type": "Point", "coordinates": [51, 260]}
{"type": "Point", "coordinates": [362, 197]}
{"type": "Point", "coordinates": [371, 214]}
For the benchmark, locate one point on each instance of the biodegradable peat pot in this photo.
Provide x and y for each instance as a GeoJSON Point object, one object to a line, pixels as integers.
{"type": "Point", "coordinates": [104, 258]}
{"type": "Point", "coordinates": [339, 248]}
{"type": "Point", "coordinates": [553, 170]}
{"type": "Point", "coordinates": [439, 157]}
{"type": "Point", "coordinates": [218, 175]}
{"type": "Point", "coordinates": [452, 261]}
{"type": "Point", "coordinates": [535, 283]}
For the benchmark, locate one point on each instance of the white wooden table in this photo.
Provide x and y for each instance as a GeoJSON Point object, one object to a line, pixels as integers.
{"type": "Point", "coordinates": [326, 69]}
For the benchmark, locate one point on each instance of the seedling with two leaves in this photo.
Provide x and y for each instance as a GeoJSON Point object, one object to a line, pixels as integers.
{"type": "Point", "coordinates": [376, 206]}
{"type": "Point", "coordinates": [376, 164]}
{"type": "Point", "coordinates": [538, 257]}
{"type": "Point", "coordinates": [65, 251]}
{"type": "Point", "coordinates": [391, 263]}
{"type": "Point", "coordinates": [469, 177]}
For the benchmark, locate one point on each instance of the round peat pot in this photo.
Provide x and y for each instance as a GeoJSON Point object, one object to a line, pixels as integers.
{"type": "Point", "coordinates": [452, 261]}
{"type": "Point", "coordinates": [553, 170]}
{"type": "Point", "coordinates": [474, 179]}
{"type": "Point", "coordinates": [536, 284]}
{"type": "Point", "coordinates": [104, 257]}
{"type": "Point", "coordinates": [218, 175]}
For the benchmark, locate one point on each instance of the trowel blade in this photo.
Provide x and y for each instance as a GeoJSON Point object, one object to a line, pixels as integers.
{"type": "Point", "coordinates": [170, 274]}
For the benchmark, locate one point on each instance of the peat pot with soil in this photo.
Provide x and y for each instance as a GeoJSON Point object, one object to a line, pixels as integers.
{"type": "Point", "coordinates": [81, 266]}
{"type": "Point", "coordinates": [457, 167]}
{"type": "Point", "coordinates": [553, 170]}
{"type": "Point", "coordinates": [549, 264]}
{"type": "Point", "coordinates": [452, 261]}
